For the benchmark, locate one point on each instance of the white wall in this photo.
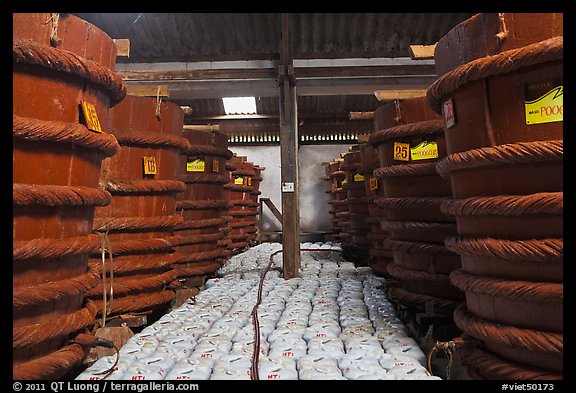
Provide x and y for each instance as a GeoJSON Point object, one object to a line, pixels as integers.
{"type": "Point", "coordinates": [314, 216]}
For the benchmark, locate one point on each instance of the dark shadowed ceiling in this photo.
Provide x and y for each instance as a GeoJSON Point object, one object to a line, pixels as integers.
{"type": "Point", "coordinates": [340, 60]}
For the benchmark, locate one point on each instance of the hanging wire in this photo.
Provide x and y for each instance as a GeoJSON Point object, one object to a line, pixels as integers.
{"type": "Point", "coordinates": [54, 18]}
{"type": "Point", "coordinates": [106, 310]}
{"type": "Point", "coordinates": [448, 348]}
{"type": "Point", "coordinates": [104, 294]}
{"type": "Point", "coordinates": [132, 24]}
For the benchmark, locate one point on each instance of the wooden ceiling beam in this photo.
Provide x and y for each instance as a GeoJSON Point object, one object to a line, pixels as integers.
{"type": "Point", "coordinates": [267, 73]}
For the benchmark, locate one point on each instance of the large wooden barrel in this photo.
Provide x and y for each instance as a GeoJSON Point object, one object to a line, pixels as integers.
{"type": "Point", "coordinates": [202, 205]}
{"type": "Point", "coordinates": [139, 222]}
{"type": "Point", "coordinates": [357, 206]}
{"type": "Point", "coordinates": [225, 243]}
{"type": "Point", "coordinates": [254, 206]}
{"type": "Point", "coordinates": [336, 199]}
{"type": "Point", "coordinates": [380, 254]}
{"type": "Point", "coordinates": [409, 138]}
{"type": "Point", "coordinates": [340, 207]}
{"type": "Point", "coordinates": [243, 217]}
{"type": "Point", "coordinates": [59, 63]}
{"type": "Point", "coordinates": [501, 98]}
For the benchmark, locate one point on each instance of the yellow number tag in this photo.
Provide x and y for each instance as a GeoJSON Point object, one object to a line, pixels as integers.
{"type": "Point", "coordinates": [401, 151]}
{"type": "Point", "coordinates": [149, 165]}
{"type": "Point", "coordinates": [358, 177]}
{"type": "Point", "coordinates": [91, 117]}
{"type": "Point", "coordinates": [424, 150]}
{"type": "Point", "coordinates": [249, 181]}
{"type": "Point", "coordinates": [238, 180]}
{"type": "Point", "coordinates": [547, 108]}
{"type": "Point", "coordinates": [195, 166]}
{"type": "Point", "coordinates": [343, 181]}
{"type": "Point", "coordinates": [215, 166]}
{"type": "Point", "coordinates": [373, 183]}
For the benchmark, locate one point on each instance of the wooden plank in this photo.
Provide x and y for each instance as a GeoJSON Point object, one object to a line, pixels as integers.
{"type": "Point", "coordinates": [202, 127]}
{"type": "Point", "coordinates": [363, 138]}
{"type": "Point", "coordinates": [122, 47]}
{"type": "Point", "coordinates": [119, 335]}
{"type": "Point", "coordinates": [289, 156]}
{"type": "Point", "coordinates": [186, 109]}
{"type": "Point", "coordinates": [192, 75]}
{"type": "Point", "coordinates": [385, 95]}
{"type": "Point", "coordinates": [272, 208]}
{"type": "Point", "coordinates": [130, 320]}
{"type": "Point", "coordinates": [303, 72]}
{"type": "Point", "coordinates": [147, 90]}
{"type": "Point", "coordinates": [421, 52]}
{"type": "Point", "coordinates": [361, 115]}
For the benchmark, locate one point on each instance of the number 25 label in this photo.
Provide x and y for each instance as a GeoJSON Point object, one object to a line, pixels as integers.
{"type": "Point", "coordinates": [401, 151]}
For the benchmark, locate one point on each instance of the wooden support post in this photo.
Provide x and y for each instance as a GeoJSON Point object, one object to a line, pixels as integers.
{"type": "Point", "coordinates": [289, 156]}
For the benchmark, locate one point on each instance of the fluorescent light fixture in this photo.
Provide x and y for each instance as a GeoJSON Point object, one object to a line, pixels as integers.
{"type": "Point", "coordinates": [239, 105]}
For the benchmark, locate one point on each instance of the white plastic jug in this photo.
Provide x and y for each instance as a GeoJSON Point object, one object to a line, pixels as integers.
{"type": "Point", "coordinates": [247, 333]}
{"type": "Point", "coordinates": [292, 322]}
{"type": "Point", "coordinates": [158, 360]}
{"type": "Point", "coordinates": [287, 347]}
{"type": "Point", "coordinates": [137, 350]}
{"type": "Point", "coordinates": [272, 368]}
{"type": "Point", "coordinates": [408, 372]}
{"type": "Point", "coordinates": [234, 360]}
{"type": "Point", "coordinates": [311, 360]}
{"type": "Point", "coordinates": [230, 373]}
{"type": "Point", "coordinates": [409, 350]}
{"type": "Point", "coordinates": [246, 347]}
{"type": "Point", "coordinates": [208, 353]}
{"type": "Point", "coordinates": [142, 372]}
{"type": "Point", "coordinates": [368, 346]}
{"type": "Point", "coordinates": [155, 331]}
{"type": "Point", "coordinates": [194, 330]}
{"type": "Point", "coordinates": [329, 346]}
{"type": "Point", "coordinates": [221, 344]}
{"type": "Point", "coordinates": [286, 332]}
{"type": "Point", "coordinates": [183, 339]}
{"type": "Point", "coordinates": [384, 329]}
{"type": "Point", "coordinates": [351, 360]}
{"type": "Point", "coordinates": [174, 351]}
{"type": "Point", "coordinates": [320, 372]}
{"type": "Point", "coordinates": [322, 330]}
{"type": "Point", "coordinates": [98, 370]}
{"type": "Point", "coordinates": [191, 369]}
{"type": "Point", "coordinates": [389, 342]}
{"type": "Point", "coordinates": [358, 370]}
{"type": "Point", "coordinates": [389, 361]}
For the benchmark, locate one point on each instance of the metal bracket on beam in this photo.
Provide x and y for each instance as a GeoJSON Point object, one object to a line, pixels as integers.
{"type": "Point", "coordinates": [291, 75]}
{"type": "Point", "coordinates": [281, 75]}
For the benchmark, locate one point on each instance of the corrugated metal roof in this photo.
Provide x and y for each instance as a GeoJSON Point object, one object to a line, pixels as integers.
{"type": "Point", "coordinates": [163, 37]}
{"type": "Point", "coordinates": [212, 37]}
